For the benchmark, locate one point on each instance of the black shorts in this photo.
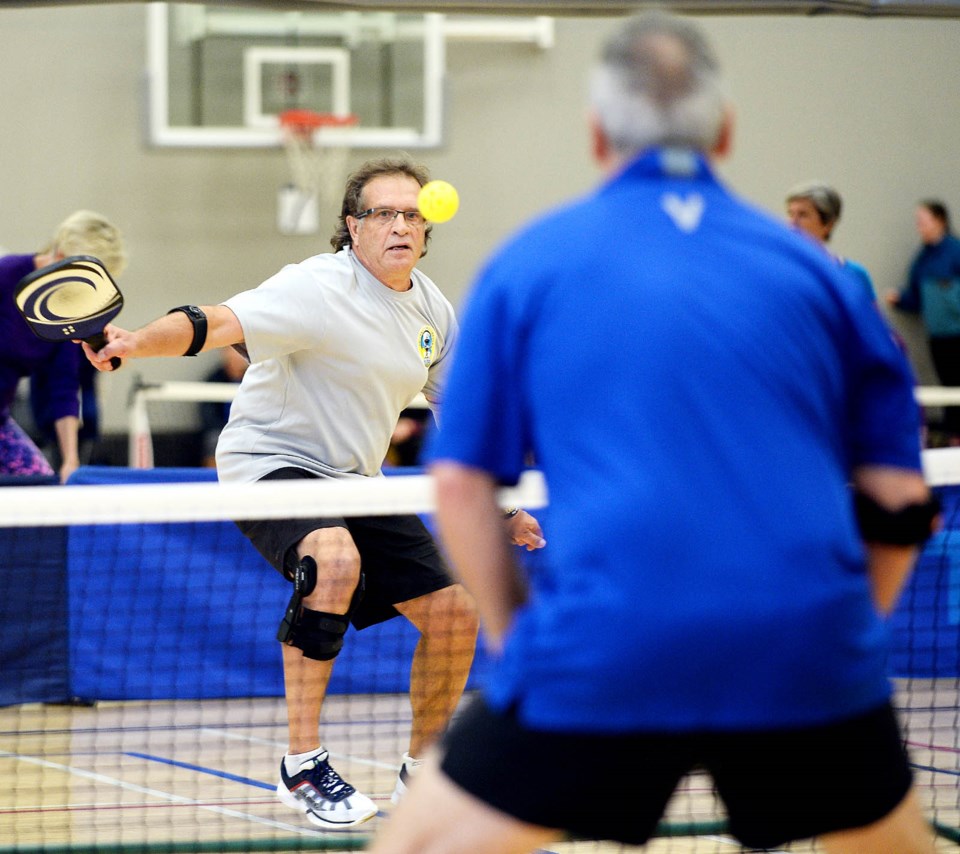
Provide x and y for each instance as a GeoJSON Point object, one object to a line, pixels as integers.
{"type": "Point", "coordinates": [399, 558]}
{"type": "Point", "coordinates": [777, 786]}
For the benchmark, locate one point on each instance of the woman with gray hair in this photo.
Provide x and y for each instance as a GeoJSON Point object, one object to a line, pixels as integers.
{"type": "Point", "coordinates": [814, 207]}
{"type": "Point", "coordinates": [53, 368]}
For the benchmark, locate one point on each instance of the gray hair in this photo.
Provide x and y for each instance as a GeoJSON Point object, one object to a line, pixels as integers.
{"type": "Point", "coordinates": [88, 233]}
{"type": "Point", "coordinates": [658, 83]}
{"type": "Point", "coordinates": [822, 196]}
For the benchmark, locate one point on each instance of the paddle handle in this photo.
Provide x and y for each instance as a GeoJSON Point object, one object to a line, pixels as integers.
{"type": "Point", "coordinates": [98, 342]}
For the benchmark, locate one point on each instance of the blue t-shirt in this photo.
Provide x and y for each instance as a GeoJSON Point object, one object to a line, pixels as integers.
{"type": "Point", "coordinates": [696, 383]}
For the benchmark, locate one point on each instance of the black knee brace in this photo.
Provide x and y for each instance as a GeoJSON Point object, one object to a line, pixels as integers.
{"type": "Point", "coordinates": [318, 634]}
{"type": "Point", "coordinates": [304, 580]}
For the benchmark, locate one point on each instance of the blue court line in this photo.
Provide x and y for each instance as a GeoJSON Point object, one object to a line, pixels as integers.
{"type": "Point", "coordinates": [935, 770]}
{"type": "Point", "coordinates": [236, 778]}
{"type": "Point", "coordinates": [254, 724]}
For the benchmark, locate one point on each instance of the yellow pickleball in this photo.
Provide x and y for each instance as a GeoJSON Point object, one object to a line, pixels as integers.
{"type": "Point", "coordinates": [438, 201]}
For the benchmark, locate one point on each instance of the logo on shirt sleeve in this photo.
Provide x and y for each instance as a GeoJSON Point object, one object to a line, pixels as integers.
{"type": "Point", "coordinates": [427, 344]}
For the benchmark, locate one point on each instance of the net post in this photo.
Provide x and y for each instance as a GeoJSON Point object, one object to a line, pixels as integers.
{"type": "Point", "coordinates": [140, 439]}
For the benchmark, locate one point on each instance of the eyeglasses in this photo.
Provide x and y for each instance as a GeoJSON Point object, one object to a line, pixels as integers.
{"type": "Point", "coordinates": [387, 216]}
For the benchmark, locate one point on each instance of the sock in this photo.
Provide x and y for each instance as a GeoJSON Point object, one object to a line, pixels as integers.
{"type": "Point", "coordinates": [410, 762]}
{"type": "Point", "coordinates": [294, 762]}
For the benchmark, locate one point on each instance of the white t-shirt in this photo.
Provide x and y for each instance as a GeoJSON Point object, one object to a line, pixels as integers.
{"type": "Point", "coordinates": [335, 357]}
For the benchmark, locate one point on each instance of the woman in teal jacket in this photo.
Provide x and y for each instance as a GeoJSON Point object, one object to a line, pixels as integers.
{"type": "Point", "coordinates": [933, 291]}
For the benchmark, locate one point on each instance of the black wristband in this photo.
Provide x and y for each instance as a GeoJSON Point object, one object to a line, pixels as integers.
{"type": "Point", "coordinates": [199, 321]}
{"type": "Point", "coordinates": [911, 526]}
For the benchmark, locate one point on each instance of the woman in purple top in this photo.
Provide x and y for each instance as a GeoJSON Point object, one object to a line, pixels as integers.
{"type": "Point", "coordinates": [52, 367]}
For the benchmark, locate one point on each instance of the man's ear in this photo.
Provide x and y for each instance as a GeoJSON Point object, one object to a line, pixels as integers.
{"type": "Point", "coordinates": [353, 227]}
{"type": "Point", "coordinates": [724, 144]}
{"type": "Point", "coordinates": [599, 143]}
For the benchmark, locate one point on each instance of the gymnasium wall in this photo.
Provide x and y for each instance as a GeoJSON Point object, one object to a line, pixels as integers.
{"type": "Point", "coordinates": [872, 106]}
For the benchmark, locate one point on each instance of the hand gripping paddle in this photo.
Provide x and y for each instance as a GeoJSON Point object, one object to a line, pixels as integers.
{"type": "Point", "coordinates": [70, 299]}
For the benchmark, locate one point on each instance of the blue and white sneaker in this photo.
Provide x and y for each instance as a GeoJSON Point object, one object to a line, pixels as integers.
{"type": "Point", "coordinates": [322, 795]}
{"type": "Point", "coordinates": [408, 769]}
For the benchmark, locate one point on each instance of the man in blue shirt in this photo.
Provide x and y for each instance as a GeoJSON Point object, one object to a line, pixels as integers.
{"type": "Point", "coordinates": [700, 386]}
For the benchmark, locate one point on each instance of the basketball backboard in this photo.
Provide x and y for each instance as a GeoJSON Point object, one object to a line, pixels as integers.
{"type": "Point", "coordinates": [219, 75]}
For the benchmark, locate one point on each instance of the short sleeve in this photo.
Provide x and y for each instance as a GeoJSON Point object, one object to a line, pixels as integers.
{"type": "Point", "coordinates": [884, 417]}
{"type": "Point", "coordinates": [282, 315]}
{"type": "Point", "coordinates": [482, 423]}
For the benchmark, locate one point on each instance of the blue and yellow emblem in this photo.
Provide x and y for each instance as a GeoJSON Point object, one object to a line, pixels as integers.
{"type": "Point", "coordinates": [427, 344]}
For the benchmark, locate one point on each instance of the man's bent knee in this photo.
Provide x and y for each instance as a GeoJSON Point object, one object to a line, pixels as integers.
{"type": "Point", "coordinates": [449, 607]}
{"type": "Point", "coordinates": [338, 569]}
{"type": "Point", "coordinates": [318, 634]}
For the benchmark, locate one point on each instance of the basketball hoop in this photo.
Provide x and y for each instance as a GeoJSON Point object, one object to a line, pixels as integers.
{"type": "Point", "coordinates": [317, 159]}
{"type": "Point", "coordinates": [316, 162]}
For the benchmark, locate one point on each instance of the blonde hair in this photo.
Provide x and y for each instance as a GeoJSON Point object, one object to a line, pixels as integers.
{"type": "Point", "coordinates": [88, 233]}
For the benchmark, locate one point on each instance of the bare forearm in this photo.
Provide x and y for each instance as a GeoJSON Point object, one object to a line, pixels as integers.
{"type": "Point", "coordinates": [167, 336]}
{"type": "Point", "coordinates": [67, 429]}
{"type": "Point", "coordinates": [475, 537]}
{"type": "Point", "coordinates": [170, 335]}
{"type": "Point", "coordinates": [889, 568]}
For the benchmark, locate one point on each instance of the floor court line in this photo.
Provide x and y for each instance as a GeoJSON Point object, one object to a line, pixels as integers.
{"type": "Point", "coordinates": [252, 739]}
{"type": "Point", "coordinates": [165, 796]}
{"type": "Point", "coordinates": [937, 748]}
{"type": "Point", "coordinates": [192, 727]}
{"type": "Point", "coordinates": [934, 769]}
{"type": "Point", "coordinates": [201, 769]}
{"type": "Point", "coordinates": [108, 806]}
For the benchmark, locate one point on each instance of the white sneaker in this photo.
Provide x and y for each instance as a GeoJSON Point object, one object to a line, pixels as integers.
{"type": "Point", "coordinates": [322, 795]}
{"type": "Point", "coordinates": [408, 769]}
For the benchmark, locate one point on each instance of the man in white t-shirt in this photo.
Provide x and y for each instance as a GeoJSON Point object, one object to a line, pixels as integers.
{"type": "Point", "coordinates": [338, 346]}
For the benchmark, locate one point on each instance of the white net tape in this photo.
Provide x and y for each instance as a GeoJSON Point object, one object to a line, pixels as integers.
{"type": "Point", "coordinates": [195, 502]}
{"type": "Point", "coordinates": [206, 502]}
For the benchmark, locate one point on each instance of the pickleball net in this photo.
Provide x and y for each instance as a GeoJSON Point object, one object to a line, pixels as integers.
{"type": "Point", "coordinates": [141, 690]}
